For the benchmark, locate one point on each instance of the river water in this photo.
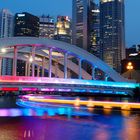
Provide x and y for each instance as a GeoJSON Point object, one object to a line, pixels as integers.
{"type": "Point", "coordinates": [99, 124]}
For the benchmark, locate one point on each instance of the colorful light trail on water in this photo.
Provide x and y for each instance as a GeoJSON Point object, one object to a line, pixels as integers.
{"type": "Point", "coordinates": [77, 102]}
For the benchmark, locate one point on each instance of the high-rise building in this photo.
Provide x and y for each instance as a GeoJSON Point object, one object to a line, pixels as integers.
{"type": "Point", "coordinates": [85, 28]}
{"type": "Point", "coordinates": [112, 32]}
{"type": "Point", "coordinates": [6, 23]}
{"type": "Point", "coordinates": [63, 29]}
{"type": "Point", "coordinates": [7, 65]}
{"type": "Point", "coordinates": [95, 36]}
{"type": "Point", "coordinates": [26, 25]}
{"type": "Point", "coordinates": [6, 30]}
{"type": "Point", "coordinates": [46, 26]}
{"type": "Point", "coordinates": [83, 21]}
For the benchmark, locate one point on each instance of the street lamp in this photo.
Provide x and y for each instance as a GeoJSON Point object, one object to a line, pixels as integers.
{"type": "Point", "coordinates": [129, 67]}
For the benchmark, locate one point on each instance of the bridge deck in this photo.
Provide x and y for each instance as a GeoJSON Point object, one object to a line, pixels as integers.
{"type": "Point", "coordinates": [45, 84]}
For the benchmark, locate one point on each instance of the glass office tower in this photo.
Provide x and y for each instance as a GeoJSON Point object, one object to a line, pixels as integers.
{"type": "Point", "coordinates": [83, 21]}
{"type": "Point", "coordinates": [6, 30]}
{"type": "Point", "coordinates": [26, 24]}
{"type": "Point", "coordinates": [46, 26]}
{"type": "Point", "coordinates": [112, 32]}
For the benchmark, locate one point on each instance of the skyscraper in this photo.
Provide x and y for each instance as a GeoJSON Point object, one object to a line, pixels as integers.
{"type": "Point", "coordinates": [6, 23]}
{"type": "Point", "coordinates": [63, 29]}
{"type": "Point", "coordinates": [46, 26]}
{"type": "Point", "coordinates": [112, 32]}
{"type": "Point", "coordinates": [6, 30]}
{"type": "Point", "coordinates": [26, 25]}
{"type": "Point", "coordinates": [83, 20]}
{"type": "Point", "coordinates": [7, 65]}
{"type": "Point", "coordinates": [95, 36]}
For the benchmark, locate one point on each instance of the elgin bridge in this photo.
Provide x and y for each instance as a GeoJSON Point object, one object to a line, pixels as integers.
{"type": "Point", "coordinates": [50, 65]}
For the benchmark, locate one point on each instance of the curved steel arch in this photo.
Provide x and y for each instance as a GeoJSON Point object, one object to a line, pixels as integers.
{"type": "Point", "coordinates": [71, 49]}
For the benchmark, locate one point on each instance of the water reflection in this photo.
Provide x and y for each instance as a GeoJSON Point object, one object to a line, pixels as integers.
{"type": "Point", "coordinates": [125, 113]}
{"type": "Point", "coordinates": [28, 133]}
{"type": "Point", "coordinates": [131, 128]}
{"type": "Point", "coordinates": [41, 109]}
{"type": "Point", "coordinates": [107, 111]}
{"type": "Point", "coordinates": [101, 134]}
{"type": "Point", "coordinates": [90, 109]}
{"type": "Point", "coordinates": [16, 112]}
{"type": "Point", "coordinates": [62, 123]}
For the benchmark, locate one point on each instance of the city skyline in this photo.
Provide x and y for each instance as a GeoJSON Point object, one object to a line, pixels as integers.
{"type": "Point", "coordinates": [64, 7]}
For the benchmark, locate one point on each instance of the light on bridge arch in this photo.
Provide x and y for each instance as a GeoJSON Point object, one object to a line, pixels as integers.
{"type": "Point", "coordinates": [3, 50]}
{"type": "Point", "coordinates": [30, 59]}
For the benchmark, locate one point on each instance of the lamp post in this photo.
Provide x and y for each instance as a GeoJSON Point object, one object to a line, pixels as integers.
{"type": "Point", "coordinates": [130, 68]}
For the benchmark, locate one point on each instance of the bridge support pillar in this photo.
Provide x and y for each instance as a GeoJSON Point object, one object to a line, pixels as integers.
{"type": "Point", "coordinates": [65, 65]}
{"type": "Point", "coordinates": [80, 68]}
{"type": "Point", "coordinates": [33, 65]}
{"type": "Point", "coordinates": [93, 72]}
{"type": "Point", "coordinates": [29, 67]}
{"type": "Point", "coordinates": [43, 66]}
{"type": "Point", "coordinates": [50, 63]}
{"type": "Point", "coordinates": [56, 69]}
{"type": "Point", "coordinates": [106, 77]}
{"type": "Point", "coordinates": [26, 69]}
{"type": "Point", "coordinates": [15, 61]}
{"type": "Point", "coordinates": [0, 66]}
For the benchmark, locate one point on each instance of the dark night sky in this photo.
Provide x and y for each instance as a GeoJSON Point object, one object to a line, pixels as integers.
{"type": "Point", "coordinates": [64, 7]}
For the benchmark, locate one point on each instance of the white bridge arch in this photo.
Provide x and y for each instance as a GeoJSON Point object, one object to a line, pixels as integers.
{"type": "Point", "coordinates": [38, 44]}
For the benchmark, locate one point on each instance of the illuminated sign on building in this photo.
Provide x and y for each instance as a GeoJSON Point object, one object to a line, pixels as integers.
{"type": "Point", "coordinates": [21, 15]}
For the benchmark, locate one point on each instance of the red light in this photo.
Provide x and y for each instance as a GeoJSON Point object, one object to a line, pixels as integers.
{"type": "Point", "coordinates": [9, 88]}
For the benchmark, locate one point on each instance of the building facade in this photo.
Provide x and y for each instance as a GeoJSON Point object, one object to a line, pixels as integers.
{"type": "Point", "coordinates": [63, 29]}
{"type": "Point", "coordinates": [6, 23]}
{"type": "Point", "coordinates": [83, 21]}
{"type": "Point", "coordinates": [6, 30]}
{"type": "Point", "coordinates": [133, 51]}
{"type": "Point", "coordinates": [95, 36]}
{"type": "Point", "coordinates": [26, 25]}
{"type": "Point", "coordinates": [46, 26]}
{"type": "Point", "coordinates": [7, 65]}
{"type": "Point", "coordinates": [112, 32]}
